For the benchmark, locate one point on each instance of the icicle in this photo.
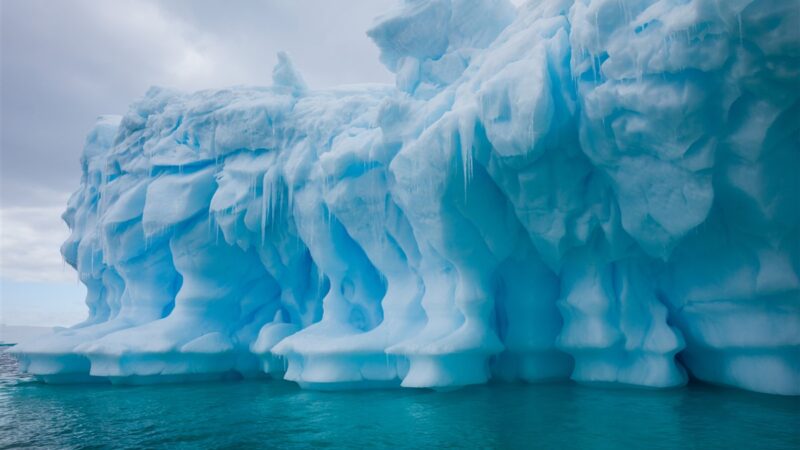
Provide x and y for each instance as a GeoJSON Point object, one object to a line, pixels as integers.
{"type": "Point", "coordinates": [275, 197]}
{"type": "Point", "coordinates": [264, 208]}
{"type": "Point", "coordinates": [597, 27]}
{"type": "Point", "coordinates": [466, 127]}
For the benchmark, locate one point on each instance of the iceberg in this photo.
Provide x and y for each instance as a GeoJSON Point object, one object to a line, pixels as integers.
{"type": "Point", "coordinates": [598, 190]}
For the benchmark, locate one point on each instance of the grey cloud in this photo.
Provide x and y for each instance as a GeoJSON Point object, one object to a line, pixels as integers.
{"type": "Point", "coordinates": [327, 39]}
{"type": "Point", "coordinates": [63, 63]}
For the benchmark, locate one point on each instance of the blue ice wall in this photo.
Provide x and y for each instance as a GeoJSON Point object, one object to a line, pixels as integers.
{"type": "Point", "coordinates": [596, 189]}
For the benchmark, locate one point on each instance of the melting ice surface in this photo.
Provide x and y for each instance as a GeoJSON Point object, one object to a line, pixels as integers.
{"type": "Point", "coordinates": [600, 190]}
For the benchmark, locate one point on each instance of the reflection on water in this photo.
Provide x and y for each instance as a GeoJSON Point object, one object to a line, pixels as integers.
{"type": "Point", "coordinates": [278, 414]}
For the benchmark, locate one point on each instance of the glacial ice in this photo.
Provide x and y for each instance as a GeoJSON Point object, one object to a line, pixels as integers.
{"type": "Point", "coordinates": [600, 190]}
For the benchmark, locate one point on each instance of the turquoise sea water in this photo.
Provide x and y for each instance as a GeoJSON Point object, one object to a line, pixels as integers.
{"type": "Point", "coordinates": [277, 414]}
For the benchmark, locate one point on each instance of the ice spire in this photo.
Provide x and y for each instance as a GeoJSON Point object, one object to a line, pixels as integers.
{"type": "Point", "coordinates": [285, 75]}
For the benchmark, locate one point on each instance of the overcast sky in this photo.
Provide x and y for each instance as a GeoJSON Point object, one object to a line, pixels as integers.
{"type": "Point", "coordinates": [65, 62]}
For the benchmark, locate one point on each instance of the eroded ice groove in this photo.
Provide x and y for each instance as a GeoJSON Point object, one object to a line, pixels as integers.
{"type": "Point", "coordinates": [597, 189]}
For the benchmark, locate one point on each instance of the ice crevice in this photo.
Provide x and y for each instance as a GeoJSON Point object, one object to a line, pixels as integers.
{"type": "Point", "coordinates": [592, 189]}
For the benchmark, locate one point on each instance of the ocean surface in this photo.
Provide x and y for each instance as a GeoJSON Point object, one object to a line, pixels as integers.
{"type": "Point", "coordinates": [277, 414]}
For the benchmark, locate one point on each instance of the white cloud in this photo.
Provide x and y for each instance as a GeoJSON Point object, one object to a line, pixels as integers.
{"type": "Point", "coordinates": [30, 238]}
